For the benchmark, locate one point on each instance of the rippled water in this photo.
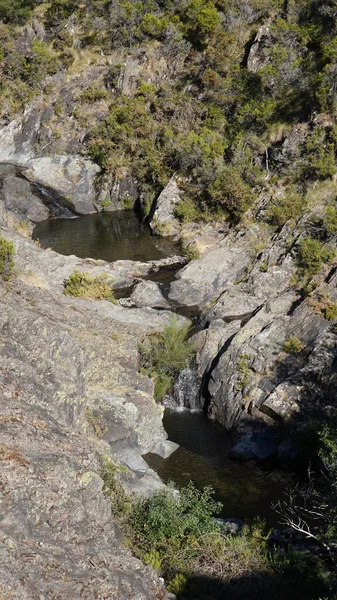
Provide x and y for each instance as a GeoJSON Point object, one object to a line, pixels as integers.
{"type": "Point", "coordinates": [245, 490]}
{"type": "Point", "coordinates": [109, 236]}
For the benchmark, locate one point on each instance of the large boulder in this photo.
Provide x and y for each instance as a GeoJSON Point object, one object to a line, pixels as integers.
{"type": "Point", "coordinates": [148, 293]}
{"type": "Point", "coordinates": [18, 197]}
{"type": "Point", "coordinates": [163, 220]}
{"type": "Point", "coordinates": [259, 53]}
{"type": "Point", "coordinates": [63, 180]}
{"type": "Point", "coordinates": [203, 280]}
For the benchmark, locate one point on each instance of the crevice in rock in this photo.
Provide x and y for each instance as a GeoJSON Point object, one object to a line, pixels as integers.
{"type": "Point", "coordinates": [287, 252]}
{"type": "Point", "coordinates": [295, 305]}
{"type": "Point", "coordinates": [248, 47]}
{"type": "Point", "coordinates": [266, 410]}
{"type": "Point", "coordinates": [330, 275]}
{"type": "Point", "coordinates": [204, 391]}
{"type": "Point", "coordinates": [246, 319]}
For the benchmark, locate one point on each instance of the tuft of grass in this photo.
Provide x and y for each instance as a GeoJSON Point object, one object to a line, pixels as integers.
{"type": "Point", "coordinates": [7, 250]}
{"type": "Point", "coordinates": [330, 312]}
{"type": "Point", "coordinates": [191, 251]}
{"type": "Point", "coordinates": [165, 353]}
{"type": "Point", "coordinates": [293, 345]}
{"type": "Point", "coordinates": [80, 284]}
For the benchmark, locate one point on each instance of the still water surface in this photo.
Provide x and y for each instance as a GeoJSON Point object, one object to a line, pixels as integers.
{"type": "Point", "coordinates": [245, 490]}
{"type": "Point", "coordinates": [108, 236]}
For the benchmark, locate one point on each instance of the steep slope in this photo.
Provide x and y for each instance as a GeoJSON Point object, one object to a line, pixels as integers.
{"type": "Point", "coordinates": [70, 394]}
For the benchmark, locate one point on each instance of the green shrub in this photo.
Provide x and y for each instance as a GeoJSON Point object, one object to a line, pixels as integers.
{"type": "Point", "coordinates": [191, 251]}
{"type": "Point", "coordinates": [177, 584]}
{"type": "Point", "coordinates": [15, 11]}
{"type": "Point", "coordinates": [231, 192]}
{"type": "Point", "coordinates": [165, 353]}
{"type": "Point", "coordinates": [121, 503]}
{"type": "Point", "coordinates": [92, 94]}
{"type": "Point", "coordinates": [81, 284]}
{"type": "Point", "coordinates": [330, 221]}
{"type": "Point", "coordinates": [319, 154]}
{"type": "Point", "coordinates": [6, 258]}
{"type": "Point", "coordinates": [330, 311]}
{"type": "Point", "coordinates": [153, 25]}
{"type": "Point", "coordinates": [175, 533]}
{"type": "Point", "coordinates": [293, 345]}
{"type": "Point", "coordinates": [162, 385]}
{"type": "Point", "coordinates": [311, 254]}
{"type": "Point", "coordinates": [169, 521]}
{"type": "Point", "coordinates": [281, 210]}
{"type": "Point", "coordinates": [243, 371]}
{"type": "Point", "coordinates": [187, 210]}
{"type": "Point", "coordinates": [105, 204]}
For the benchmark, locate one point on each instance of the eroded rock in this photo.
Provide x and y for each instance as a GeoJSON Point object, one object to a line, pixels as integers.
{"type": "Point", "coordinates": [163, 221]}
{"type": "Point", "coordinates": [70, 392]}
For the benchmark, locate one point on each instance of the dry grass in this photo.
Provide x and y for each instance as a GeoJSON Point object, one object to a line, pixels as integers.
{"type": "Point", "coordinates": [11, 454]}
{"type": "Point", "coordinates": [80, 284]}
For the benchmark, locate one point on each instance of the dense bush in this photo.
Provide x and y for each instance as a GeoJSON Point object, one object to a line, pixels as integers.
{"type": "Point", "coordinates": [311, 255]}
{"type": "Point", "coordinates": [6, 258]}
{"type": "Point", "coordinates": [289, 207]}
{"type": "Point", "coordinates": [175, 532]}
{"type": "Point", "coordinates": [15, 11]}
{"type": "Point", "coordinates": [81, 284]}
{"type": "Point", "coordinates": [165, 353]}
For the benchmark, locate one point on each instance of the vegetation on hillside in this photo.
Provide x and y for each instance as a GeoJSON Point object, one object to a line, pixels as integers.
{"type": "Point", "coordinates": [176, 533]}
{"type": "Point", "coordinates": [6, 258]}
{"type": "Point", "coordinates": [218, 119]}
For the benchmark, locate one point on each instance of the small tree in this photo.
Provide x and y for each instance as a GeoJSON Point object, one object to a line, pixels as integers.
{"type": "Point", "coordinates": [6, 258]}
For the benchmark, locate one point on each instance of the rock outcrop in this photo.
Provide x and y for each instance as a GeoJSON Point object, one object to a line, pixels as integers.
{"type": "Point", "coordinates": [70, 394]}
{"type": "Point", "coordinates": [163, 220]}
{"type": "Point", "coordinates": [64, 183]}
{"type": "Point", "coordinates": [249, 310]}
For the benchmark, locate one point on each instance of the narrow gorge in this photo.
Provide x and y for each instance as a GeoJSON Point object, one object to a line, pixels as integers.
{"type": "Point", "coordinates": [168, 168]}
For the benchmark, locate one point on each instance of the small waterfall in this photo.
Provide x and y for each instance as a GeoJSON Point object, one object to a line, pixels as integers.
{"type": "Point", "coordinates": [187, 390]}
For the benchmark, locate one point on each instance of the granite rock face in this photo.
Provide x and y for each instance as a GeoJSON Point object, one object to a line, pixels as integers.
{"type": "Point", "coordinates": [20, 199]}
{"type": "Point", "coordinates": [118, 194]}
{"type": "Point", "coordinates": [249, 309]}
{"type": "Point", "coordinates": [63, 181]}
{"type": "Point", "coordinates": [70, 393]}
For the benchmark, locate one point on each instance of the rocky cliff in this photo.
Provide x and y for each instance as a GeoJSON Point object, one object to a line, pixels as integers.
{"type": "Point", "coordinates": [70, 395]}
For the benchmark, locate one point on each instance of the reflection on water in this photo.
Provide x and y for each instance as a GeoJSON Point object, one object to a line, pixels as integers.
{"type": "Point", "coordinates": [244, 489]}
{"type": "Point", "coordinates": [109, 236]}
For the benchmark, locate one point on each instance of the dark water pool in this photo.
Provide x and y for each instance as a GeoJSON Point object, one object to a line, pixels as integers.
{"type": "Point", "coordinates": [245, 490]}
{"type": "Point", "coordinates": [109, 236]}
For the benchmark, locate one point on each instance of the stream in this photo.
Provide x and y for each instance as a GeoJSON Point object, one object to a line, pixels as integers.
{"type": "Point", "coordinates": [246, 490]}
